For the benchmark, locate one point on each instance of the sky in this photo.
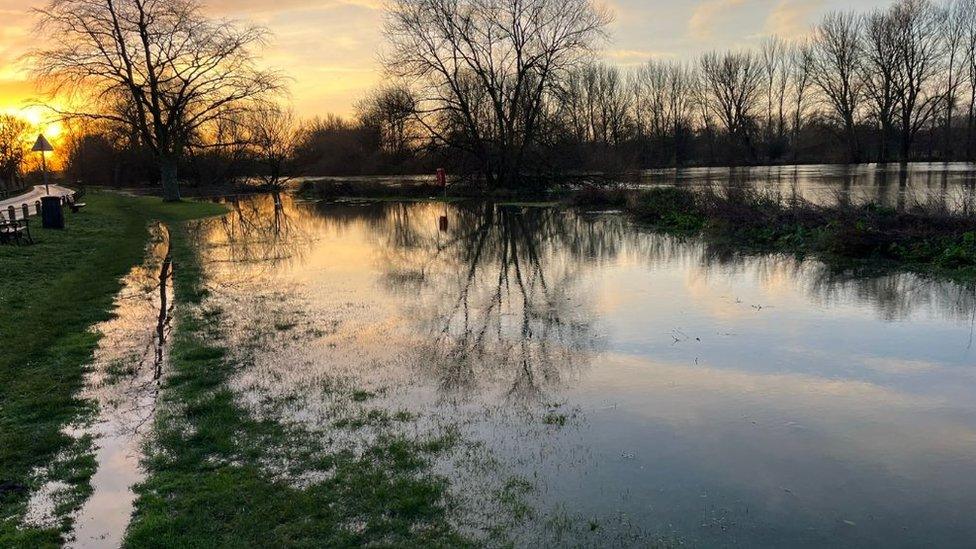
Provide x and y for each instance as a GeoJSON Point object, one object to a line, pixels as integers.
{"type": "Point", "coordinates": [329, 48]}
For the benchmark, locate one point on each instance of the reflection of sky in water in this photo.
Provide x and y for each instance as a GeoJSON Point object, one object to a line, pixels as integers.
{"type": "Point", "coordinates": [716, 399]}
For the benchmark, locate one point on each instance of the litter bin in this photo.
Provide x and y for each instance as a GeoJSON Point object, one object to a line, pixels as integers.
{"type": "Point", "coordinates": [52, 214]}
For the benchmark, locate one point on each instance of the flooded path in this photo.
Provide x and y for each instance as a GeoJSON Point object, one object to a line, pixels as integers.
{"type": "Point", "coordinates": [611, 386]}
{"type": "Point", "coordinates": [125, 383]}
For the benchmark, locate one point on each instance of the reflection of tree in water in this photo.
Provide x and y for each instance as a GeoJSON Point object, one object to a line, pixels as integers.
{"type": "Point", "coordinates": [952, 186]}
{"type": "Point", "coordinates": [894, 296]}
{"type": "Point", "coordinates": [129, 361]}
{"type": "Point", "coordinates": [502, 294]}
{"type": "Point", "coordinates": [261, 232]}
{"type": "Point", "coordinates": [500, 291]}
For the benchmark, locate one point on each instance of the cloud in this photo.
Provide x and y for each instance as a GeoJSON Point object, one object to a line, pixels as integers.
{"type": "Point", "coordinates": [897, 366]}
{"type": "Point", "coordinates": [792, 18]}
{"type": "Point", "coordinates": [708, 13]}
{"type": "Point", "coordinates": [625, 57]}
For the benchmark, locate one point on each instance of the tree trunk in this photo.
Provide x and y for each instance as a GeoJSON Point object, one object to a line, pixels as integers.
{"type": "Point", "coordinates": [853, 147]}
{"type": "Point", "coordinates": [168, 177]}
{"type": "Point", "coordinates": [948, 151]}
{"type": "Point", "coordinates": [906, 138]}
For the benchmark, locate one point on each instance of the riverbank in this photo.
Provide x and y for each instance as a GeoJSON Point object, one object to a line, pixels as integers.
{"type": "Point", "coordinates": [51, 294]}
{"type": "Point", "coordinates": [932, 239]}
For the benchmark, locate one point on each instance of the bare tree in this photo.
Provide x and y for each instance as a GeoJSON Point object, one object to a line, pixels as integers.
{"type": "Point", "coordinates": [879, 73]}
{"type": "Point", "coordinates": [13, 148]}
{"type": "Point", "coordinates": [957, 18]}
{"type": "Point", "coordinates": [663, 104]}
{"type": "Point", "coordinates": [607, 104]}
{"type": "Point", "coordinates": [969, 63]}
{"type": "Point", "coordinates": [273, 137]}
{"type": "Point", "coordinates": [775, 60]}
{"type": "Point", "coordinates": [571, 107]}
{"type": "Point", "coordinates": [159, 66]}
{"type": "Point", "coordinates": [732, 86]}
{"type": "Point", "coordinates": [837, 72]}
{"type": "Point", "coordinates": [920, 64]}
{"type": "Point", "coordinates": [650, 104]}
{"type": "Point", "coordinates": [484, 69]}
{"type": "Point", "coordinates": [801, 67]}
{"type": "Point", "coordinates": [392, 110]}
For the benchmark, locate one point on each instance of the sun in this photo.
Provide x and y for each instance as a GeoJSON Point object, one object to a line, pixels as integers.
{"type": "Point", "coordinates": [40, 119]}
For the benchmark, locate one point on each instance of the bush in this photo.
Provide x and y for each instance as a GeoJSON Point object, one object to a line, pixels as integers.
{"type": "Point", "coordinates": [670, 207]}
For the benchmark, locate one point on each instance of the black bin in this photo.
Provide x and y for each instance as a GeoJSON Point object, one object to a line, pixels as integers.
{"type": "Point", "coordinates": [52, 214]}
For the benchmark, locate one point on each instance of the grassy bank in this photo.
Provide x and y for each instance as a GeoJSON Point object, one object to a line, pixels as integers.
{"type": "Point", "coordinates": [923, 239]}
{"type": "Point", "coordinates": [50, 295]}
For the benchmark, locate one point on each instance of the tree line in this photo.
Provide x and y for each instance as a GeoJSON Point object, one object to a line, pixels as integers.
{"type": "Point", "coordinates": [506, 91]}
{"type": "Point", "coordinates": [894, 84]}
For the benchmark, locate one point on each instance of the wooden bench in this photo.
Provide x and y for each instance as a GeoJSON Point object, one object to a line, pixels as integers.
{"type": "Point", "coordinates": [15, 232]}
{"type": "Point", "coordinates": [72, 202]}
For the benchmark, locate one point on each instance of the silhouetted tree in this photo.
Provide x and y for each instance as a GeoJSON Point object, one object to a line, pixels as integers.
{"type": "Point", "coordinates": [484, 69]}
{"type": "Point", "coordinates": [732, 86]}
{"type": "Point", "coordinates": [162, 68]}
{"type": "Point", "coordinates": [14, 136]}
{"type": "Point", "coordinates": [837, 72]}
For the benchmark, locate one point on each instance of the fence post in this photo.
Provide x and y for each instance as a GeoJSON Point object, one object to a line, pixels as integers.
{"type": "Point", "coordinates": [26, 211]}
{"type": "Point", "coordinates": [12, 212]}
{"type": "Point", "coordinates": [37, 207]}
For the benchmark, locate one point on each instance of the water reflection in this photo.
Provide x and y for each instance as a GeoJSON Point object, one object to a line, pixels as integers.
{"type": "Point", "coordinates": [128, 367]}
{"type": "Point", "coordinates": [951, 186]}
{"type": "Point", "coordinates": [260, 231]}
{"type": "Point", "coordinates": [645, 383]}
{"type": "Point", "coordinates": [496, 308]}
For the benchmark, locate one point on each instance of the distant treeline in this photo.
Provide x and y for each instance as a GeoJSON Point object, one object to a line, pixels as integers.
{"type": "Point", "coordinates": [895, 84]}
{"type": "Point", "coordinates": [508, 92]}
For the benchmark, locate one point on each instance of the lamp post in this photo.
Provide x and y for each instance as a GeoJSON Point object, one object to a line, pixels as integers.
{"type": "Point", "coordinates": [43, 146]}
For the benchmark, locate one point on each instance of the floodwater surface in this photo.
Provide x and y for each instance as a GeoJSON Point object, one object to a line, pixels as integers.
{"type": "Point", "coordinates": [124, 382]}
{"type": "Point", "coordinates": [625, 387]}
{"type": "Point", "coordinates": [940, 185]}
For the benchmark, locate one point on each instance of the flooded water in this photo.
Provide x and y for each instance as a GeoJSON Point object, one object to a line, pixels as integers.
{"type": "Point", "coordinates": [950, 185]}
{"type": "Point", "coordinates": [631, 387]}
{"type": "Point", "coordinates": [124, 383]}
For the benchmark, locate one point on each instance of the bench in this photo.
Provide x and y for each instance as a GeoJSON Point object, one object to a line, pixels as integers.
{"type": "Point", "coordinates": [72, 202]}
{"type": "Point", "coordinates": [15, 232]}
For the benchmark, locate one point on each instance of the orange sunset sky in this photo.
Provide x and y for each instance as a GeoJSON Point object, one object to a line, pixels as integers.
{"type": "Point", "coordinates": [329, 48]}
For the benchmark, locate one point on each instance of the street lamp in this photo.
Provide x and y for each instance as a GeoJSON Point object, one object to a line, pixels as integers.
{"type": "Point", "coordinates": [43, 146]}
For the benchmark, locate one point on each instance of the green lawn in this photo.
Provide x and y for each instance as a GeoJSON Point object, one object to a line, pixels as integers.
{"type": "Point", "coordinates": [50, 295]}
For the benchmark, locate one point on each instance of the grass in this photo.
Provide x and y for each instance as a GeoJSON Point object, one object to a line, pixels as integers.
{"type": "Point", "coordinates": [209, 481]}
{"type": "Point", "coordinates": [925, 239]}
{"type": "Point", "coordinates": [50, 295]}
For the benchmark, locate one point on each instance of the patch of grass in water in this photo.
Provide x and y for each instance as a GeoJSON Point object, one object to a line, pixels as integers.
{"type": "Point", "coordinates": [285, 325]}
{"type": "Point", "coordinates": [362, 396]}
{"type": "Point", "coordinates": [555, 419]}
{"type": "Point", "coordinates": [513, 495]}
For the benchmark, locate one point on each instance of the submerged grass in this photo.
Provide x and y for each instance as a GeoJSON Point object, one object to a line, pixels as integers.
{"type": "Point", "coordinates": [926, 239]}
{"type": "Point", "coordinates": [209, 484]}
{"type": "Point", "coordinates": [51, 294]}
